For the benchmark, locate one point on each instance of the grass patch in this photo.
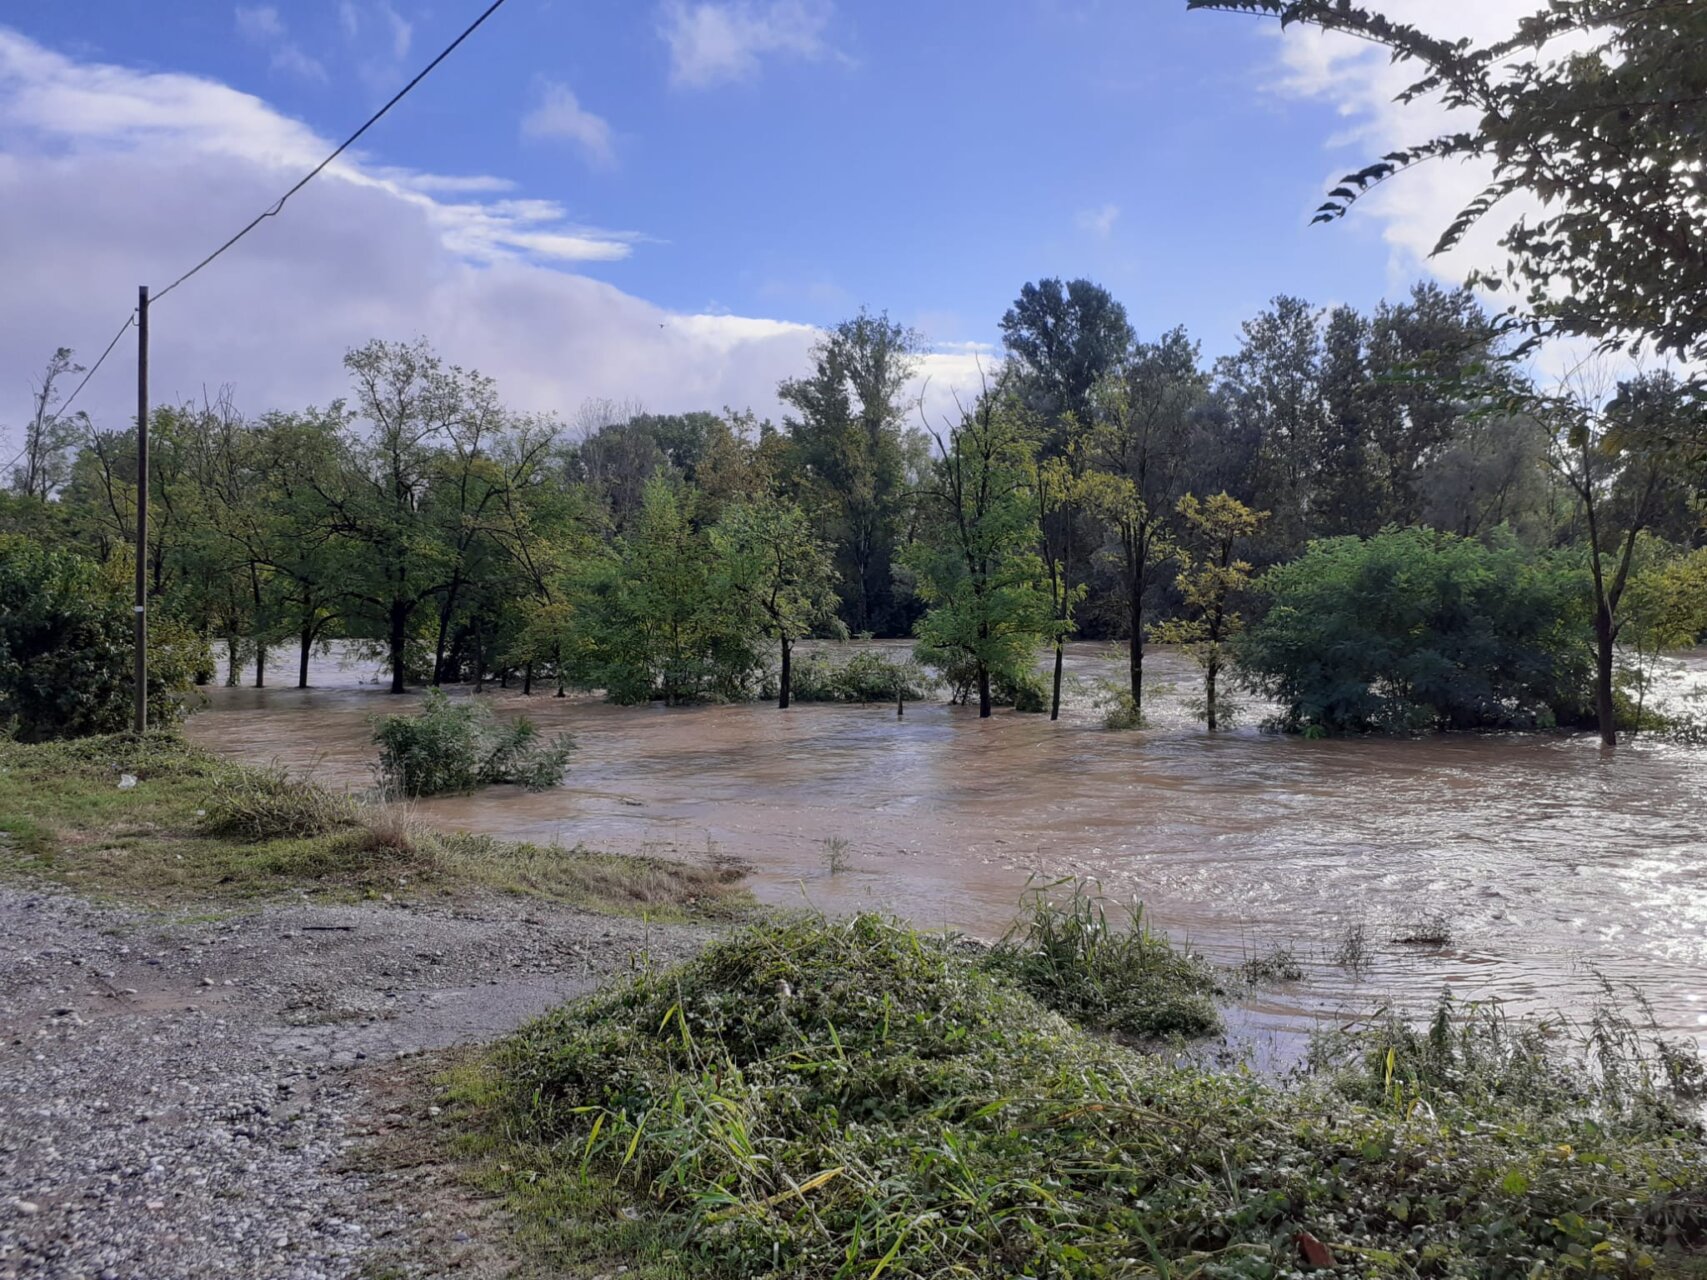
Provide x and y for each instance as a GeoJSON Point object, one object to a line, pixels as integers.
{"type": "Point", "coordinates": [851, 1099]}
{"type": "Point", "coordinates": [1110, 975]}
{"type": "Point", "coordinates": [269, 803]}
{"type": "Point", "coordinates": [194, 829]}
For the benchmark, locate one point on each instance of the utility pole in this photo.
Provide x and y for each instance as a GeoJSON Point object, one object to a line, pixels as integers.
{"type": "Point", "coordinates": [142, 509]}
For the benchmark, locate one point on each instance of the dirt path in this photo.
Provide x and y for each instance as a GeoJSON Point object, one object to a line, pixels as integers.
{"type": "Point", "coordinates": [188, 1099]}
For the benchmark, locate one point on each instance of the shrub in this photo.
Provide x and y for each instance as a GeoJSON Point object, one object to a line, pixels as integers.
{"type": "Point", "coordinates": [453, 747]}
{"type": "Point", "coordinates": [270, 804]}
{"type": "Point", "coordinates": [1412, 630]}
{"type": "Point", "coordinates": [865, 677]}
{"type": "Point", "coordinates": [813, 1098]}
{"type": "Point", "coordinates": [1120, 710]}
{"type": "Point", "coordinates": [67, 648]}
{"type": "Point", "coordinates": [1067, 953]}
{"type": "Point", "coordinates": [1023, 689]}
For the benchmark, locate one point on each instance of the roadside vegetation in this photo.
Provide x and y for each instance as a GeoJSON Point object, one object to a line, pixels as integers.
{"type": "Point", "coordinates": [817, 1098]}
{"type": "Point", "coordinates": [157, 821]}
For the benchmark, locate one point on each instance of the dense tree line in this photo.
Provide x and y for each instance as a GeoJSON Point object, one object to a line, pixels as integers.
{"type": "Point", "coordinates": [1101, 484]}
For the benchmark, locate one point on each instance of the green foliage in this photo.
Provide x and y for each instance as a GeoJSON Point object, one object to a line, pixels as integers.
{"type": "Point", "coordinates": [271, 804]}
{"type": "Point", "coordinates": [815, 1098]}
{"type": "Point", "coordinates": [868, 676]}
{"type": "Point", "coordinates": [67, 645]}
{"type": "Point", "coordinates": [1413, 630]}
{"type": "Point", "coordinates": [1603, 127]}
{"type": "Point", "coordinates": [459, 746]}
{"type": "Point", "coordinates": [977, 566]}
{"type": "Point", "coordinates": [1211, 581]}
{"type": "Point", "coordinates": [1110, 977]}
{"type": "Point", "coordinates": [654, 623]}
{"type": "Point", "coordinates": [852, 458]}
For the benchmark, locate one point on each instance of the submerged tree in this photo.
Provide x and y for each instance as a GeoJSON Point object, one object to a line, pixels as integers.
{"type": "Point", "coordinates": [1139, 448]}
{"type": "Point", "coordinates": [1211, 579]}
{"type": "Point", "coordinates": [1622, 459]}
{"type": "Point", "coordinates": [770, 562]}
{"type": "Point", "coordinates": [976, 565]}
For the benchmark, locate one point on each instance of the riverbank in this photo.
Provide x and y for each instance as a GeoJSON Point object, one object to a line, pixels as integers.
{"type": "Point", "coordinates": [202, 1034]}
{"type": "Point", "coordinates": [225, 1073]}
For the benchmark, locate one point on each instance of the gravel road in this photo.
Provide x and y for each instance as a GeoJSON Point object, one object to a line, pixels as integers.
{"type": "Point", "coordinates": [186, 1098]}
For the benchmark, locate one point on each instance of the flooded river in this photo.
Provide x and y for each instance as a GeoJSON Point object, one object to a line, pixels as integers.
{"type": "Point", "coordinates": [1554, 864]}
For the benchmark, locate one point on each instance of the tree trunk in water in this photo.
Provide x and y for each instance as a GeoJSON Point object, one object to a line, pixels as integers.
{"type": "Point", "coordinates": [1055, 697]}
{"type": "Point", "coordinates": [479, 667]}
{"type": "Point", "coordinates": [786, 679]}
{"type": "Point", "coordinates": [302, 660]}
{"type": "Point", "coordinates": [1135, 651]}
{"type": "Point", "coordinates": [232, 677]}
{"type": "Point", "coordinates": [1209, 674]}
{"type": "Point", "coordinates": [527, 680]}
{"type": "Point", "coordinates": [983, 692]}
{"type": "Point", "coordinates": [397, 641]}
{"type": "Point", "coordinates": [260, 664]}
{"type": "Point", "coordinates": [1605, 709]}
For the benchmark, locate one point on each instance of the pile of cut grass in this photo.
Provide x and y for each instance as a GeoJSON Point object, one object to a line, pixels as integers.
{"type": "Point", "coordinates": [850, 1099]}
{"type": "Point", "coordinates": [158, 821]}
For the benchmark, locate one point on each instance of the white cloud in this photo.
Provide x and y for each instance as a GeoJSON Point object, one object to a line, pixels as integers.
{"type": "Point", "coordinates": [1361, 81]}
{"type": "Point", "coordinates": [559, 114]}
{"type": "Point", "coordinates": [261, 24]}
{"type": "Point", "coordinates": [402, 31]}
{"type": "Point", "coordinates": [365, 251]}
{"type": "Point", "coordinates": [718, 43]}
{"type": "Point", "coordinates": [1098, 222]}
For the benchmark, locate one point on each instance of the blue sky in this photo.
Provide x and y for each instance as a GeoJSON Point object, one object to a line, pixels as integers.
{"type": "Point", "coordinates": [783, 160]}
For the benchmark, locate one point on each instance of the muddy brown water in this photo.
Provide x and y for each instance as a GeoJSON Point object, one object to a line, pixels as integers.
{"type": "Point", "coordinates": [1558, 867]}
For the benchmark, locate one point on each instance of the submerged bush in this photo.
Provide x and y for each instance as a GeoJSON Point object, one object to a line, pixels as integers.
{"type": "Point", "coordinates": [1067, 953]}
{"type": "Point", "coordinates": [864, 677]}
{"type": "Point", "coordinates": [270, 804]}
{"type": "Point", "coordinates": [459, 746]}
{"type": "Point", "coordinates": [815, 1098]}
{"type": "Point", "coordinates": [1024, 689]}
{"type": "Point", "coordinates": [1412, 630]}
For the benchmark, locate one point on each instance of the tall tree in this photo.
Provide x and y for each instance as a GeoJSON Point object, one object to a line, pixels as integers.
{"type": "Point", "coordinates": [1147, 413]}
{"type": "Point", "coordinates": [1272, 387]}
{"type": "Point", "coordinates": [1621, 458]}
{"type": "Point", "coordinates": [1065, 338]}
{"type": "Point", "coordinates": [976, 565]}
{"type": "Point", "coordinates": [849, 440]}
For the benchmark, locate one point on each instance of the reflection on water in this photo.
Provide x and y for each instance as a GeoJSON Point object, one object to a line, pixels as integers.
{"type": "Point", "coordinates": [1555, 863]}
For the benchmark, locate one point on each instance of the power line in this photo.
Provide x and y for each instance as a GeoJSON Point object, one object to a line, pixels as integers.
{"type": "Point", "coordinates": [342, 147]}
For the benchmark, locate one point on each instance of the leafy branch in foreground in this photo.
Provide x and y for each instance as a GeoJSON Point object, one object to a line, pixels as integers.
{"type": "Point", "coordinates": [1595, 107]}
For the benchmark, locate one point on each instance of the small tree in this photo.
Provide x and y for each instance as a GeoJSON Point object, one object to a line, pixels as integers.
{"type": "Point", "coordinates": [770, 561]}
{"type": "Point", "coordinates": [1621, 459]}
{"type": "Point", "coordinates": [45, 463]}
{"type": "Point", "coordinates": [977, 566]}
{"type": "Point", "coordinates": [1211, 579]}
